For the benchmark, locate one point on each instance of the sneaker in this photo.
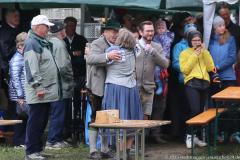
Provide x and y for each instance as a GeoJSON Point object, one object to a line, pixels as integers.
{"type": "Point", "coordinates": [65, 144]}
{"type": "Point", "coordinates": [20, 147]}
{"type": "Point", "coordinates": [235, 137]}
{"type": "Point", "coordinates": [221, 137]}
{"type": "Point", "coordinates": [47, 155]}
{"type": "Point", "coordinates": [198, 142]}
{"type": "Point", "coordinates": [56, 146]}
{"type": "Point", "coordinates": [94, 155]}
{"type": "Point", "coordinates": [189, 141]}
{"type": "Point", "coordinates": [106, 155]}
{"type": "Point", "coordinates": [34, 156]}
{"type": "Point", "coordinates": [159, 140]}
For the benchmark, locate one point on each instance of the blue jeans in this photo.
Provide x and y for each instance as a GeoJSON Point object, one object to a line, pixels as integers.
{"type": "Point", "coordinates": [56, 126]}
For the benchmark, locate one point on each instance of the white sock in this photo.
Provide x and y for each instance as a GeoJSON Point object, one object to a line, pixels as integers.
{"type": "Point", "coordinates": [92, 140]}
{"type": "Point", "coordinates": [104, 144]}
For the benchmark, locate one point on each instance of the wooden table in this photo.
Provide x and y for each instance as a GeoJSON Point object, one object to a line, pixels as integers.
{"type": "Point", "coordinates": [9, 122]}
{"type": "Point", "coordinates": [228, 94]}
{"type": "Point", "coordinates": [138, 126]}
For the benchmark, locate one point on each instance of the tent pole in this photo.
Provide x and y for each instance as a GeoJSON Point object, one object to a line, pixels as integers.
{"type": "Point", "coordinates": [82, 20]}
{"type": "Point", "coordinates": [106, 13]}
{"type": "Point", "coordinates": [239, 13]}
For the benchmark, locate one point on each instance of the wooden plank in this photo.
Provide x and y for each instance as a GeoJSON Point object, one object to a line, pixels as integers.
{"type": "Point", "coordinates": [132, 124]}
{"type": "Point", "coordinates": [6, 134]}
{"type": "Point", "coordinates": [9, 122]}
{"type": "Point", "coordinates": [204, 117]}
{"type": "Point", "coordinates": [230, 93]}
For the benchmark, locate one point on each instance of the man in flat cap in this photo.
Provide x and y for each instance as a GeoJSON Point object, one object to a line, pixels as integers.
{"type": "Point", "coordinates": [96, 74]}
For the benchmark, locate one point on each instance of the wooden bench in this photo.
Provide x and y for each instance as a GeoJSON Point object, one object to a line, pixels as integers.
{"type": "Point", "coordinates": [9, 122]}
{"type": "Point", "coordinates": [203, 119]}
{"type": "Point", "coordinates": [8, 135]}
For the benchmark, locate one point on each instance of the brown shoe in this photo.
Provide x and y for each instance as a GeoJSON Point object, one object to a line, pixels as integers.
{"type": "Point", "coordinates": [94, 155]}
{"type": "Point", "coordinates": [106, 155]}
{"type": "Point", "coordinates": [159, 140]}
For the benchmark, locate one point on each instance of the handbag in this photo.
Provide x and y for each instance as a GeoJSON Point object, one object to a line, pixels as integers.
{"type": "Point", "coordinates": [22, 110]}
{"type": "Point", "coordinates": [198, 84]}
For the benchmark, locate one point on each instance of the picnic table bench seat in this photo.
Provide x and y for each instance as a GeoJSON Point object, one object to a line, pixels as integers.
{"type": "Point", "coordinates": [205, 117]}
{"type": "Point", "coordinates": [5, 123]}
{"type": "Point", "coordinates": [203, 120]}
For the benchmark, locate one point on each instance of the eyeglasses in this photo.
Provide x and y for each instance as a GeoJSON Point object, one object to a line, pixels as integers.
{"type": "Point", "coordinates": [196, 40]}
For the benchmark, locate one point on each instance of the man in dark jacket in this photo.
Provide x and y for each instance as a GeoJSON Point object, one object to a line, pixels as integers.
{"type": "Point", "coordinates": [75, 46]}
{"type": "Point", "coordinates": [8, 33]}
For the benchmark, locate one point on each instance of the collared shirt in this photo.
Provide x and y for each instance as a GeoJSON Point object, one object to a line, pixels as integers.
{"type": "Point", "coordinates": [143, 44]}
{"type": "Point", "coordinates": [70, 39]}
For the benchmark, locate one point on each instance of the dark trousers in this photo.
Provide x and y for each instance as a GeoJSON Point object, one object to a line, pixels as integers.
{"type": "Point", "coordinates": [68, 118]}
{"type": "Point", "coordinates": [73, 115]}
{"type": "Point", "coordinates": [177, 110]}
{"type": "Point", "coordinates": [159, 106]}
{"type": "Point", "coordinates": [20, 131]}
{"type": "Point", "coordinates": [37, 121]}
{"type": "Point", "coordinates": [56, 126]}
{"type": "Point", "coordinates": [197, 99]}
{"type": "Point", "coordinates": [96, 105]}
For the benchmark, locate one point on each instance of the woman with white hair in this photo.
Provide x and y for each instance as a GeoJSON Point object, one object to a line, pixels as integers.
{"type": "Point", "coordinates": [121, 91]}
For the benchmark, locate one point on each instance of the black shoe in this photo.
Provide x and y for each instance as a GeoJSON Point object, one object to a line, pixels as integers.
{"type": "Point", "coordinates": [159, 140]}
{"type": "Point", "coordinates": [107, 155]}
{"type": "Point", "coordinates": [94, 155]}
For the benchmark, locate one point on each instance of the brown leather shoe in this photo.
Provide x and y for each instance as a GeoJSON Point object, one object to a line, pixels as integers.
{"type": "Point", "coordinates": [94, 155]}
{"type": "Point", "coordinates": [106, 155]}
{"type": "Point", "coordinates": [159, 140]}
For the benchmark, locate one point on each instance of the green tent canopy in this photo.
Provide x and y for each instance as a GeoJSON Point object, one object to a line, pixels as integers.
{"type": "Point", "coordinates": [152, 4]}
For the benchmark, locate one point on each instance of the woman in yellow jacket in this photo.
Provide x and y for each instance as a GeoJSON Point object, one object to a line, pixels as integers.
{"type": "Point", "coordinates": [195, 64]}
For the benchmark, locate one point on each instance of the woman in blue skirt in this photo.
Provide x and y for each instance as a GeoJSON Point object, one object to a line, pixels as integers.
{"type": "Point", "coordinates": [121, 91]}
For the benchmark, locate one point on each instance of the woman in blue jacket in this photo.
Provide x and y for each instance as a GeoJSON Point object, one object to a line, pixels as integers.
{"type": "Point", "coordinates": [16, 89]}
{"type": "Point", "coordinates": [223, 50]}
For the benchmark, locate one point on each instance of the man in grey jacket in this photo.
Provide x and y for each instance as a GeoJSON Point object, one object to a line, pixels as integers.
{"type": "Point", "coordinates": [96, 74]}
{"type": "Point", "coordinates": [63, 61]}
{"type": "Point", "coordinates": [42, 84]}
{"type": "Point", "coordinates": [151, 54]}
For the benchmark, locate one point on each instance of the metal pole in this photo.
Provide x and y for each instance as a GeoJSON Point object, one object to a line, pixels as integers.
{"type": "Point", "coordinates": [124, 144]}
{"type": "Point", "coordinates": [136, 145]}
{"type": "Point", "coordinates": [82, 20]}
{"type": "Point", "coordinates": [238, 13]}
{"type": "Point", "coordinates": [106, 13]}
{"type": "Point", "coordinates": [118, 143]}
{"type": "Point", "coordinates": [143, 144]}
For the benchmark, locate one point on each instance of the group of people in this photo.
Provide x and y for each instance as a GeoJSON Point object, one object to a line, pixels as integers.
{"type": "Point", "coordinates": [143, 71]}
{"type": "Point", "coordinates": [42, 72]}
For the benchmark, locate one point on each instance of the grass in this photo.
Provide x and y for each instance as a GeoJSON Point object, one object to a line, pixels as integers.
{"type": "Point", "coordinates": [72, 153]}
{"type": "Point", "coordinates": [224, 151]}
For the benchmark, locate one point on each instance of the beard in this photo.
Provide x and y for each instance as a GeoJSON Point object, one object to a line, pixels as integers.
{"type": "Point", "coordinates": [148, 39]}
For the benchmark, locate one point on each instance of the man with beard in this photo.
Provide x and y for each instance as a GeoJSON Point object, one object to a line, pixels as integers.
{"type": "Point", "coordinates": [150, 56]}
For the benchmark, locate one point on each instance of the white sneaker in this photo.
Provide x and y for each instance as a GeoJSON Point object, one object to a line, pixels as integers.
{"type": "Point", "coordinates": [198, 142]}
{"type": "Point", "coordinates": [189, 141]}
{"type": "Point", "coordinates": [34, 156]}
